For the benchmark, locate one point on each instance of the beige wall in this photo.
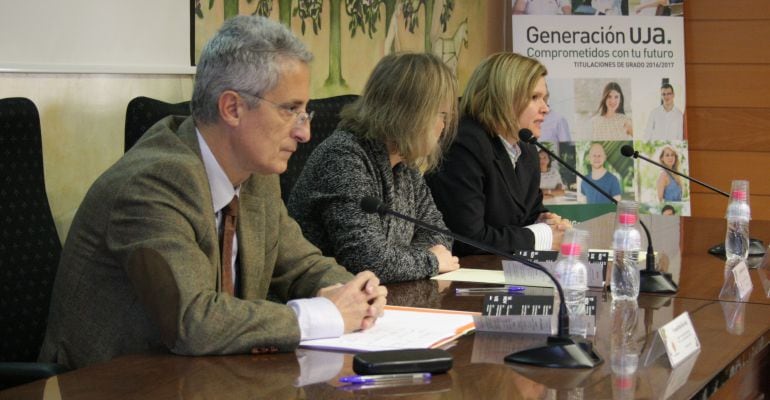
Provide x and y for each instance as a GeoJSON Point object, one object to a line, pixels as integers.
{"type": "Point", "coordinates": [82, 119]}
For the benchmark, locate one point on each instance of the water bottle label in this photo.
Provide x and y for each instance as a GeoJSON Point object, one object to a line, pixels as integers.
{"type": "Point", "coordinates": [626, 239]}
{"type": "Point", "coordinates": [739, 211]}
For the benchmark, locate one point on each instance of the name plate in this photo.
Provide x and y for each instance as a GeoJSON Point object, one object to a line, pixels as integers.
{"type": "Point", "coordinates": [530, 314]}
{"type": "Point", "coordinates": [678, 339]}
{"type": "Point", "coordinates": [517, 304]}
{"type": "Point", "coordinates": [518, 274]}
{"type": "Point", "coordinates": [742, 280]}
{"type": "Point", "coordinates": [514, 304]}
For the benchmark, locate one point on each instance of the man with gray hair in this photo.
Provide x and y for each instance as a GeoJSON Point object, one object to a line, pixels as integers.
{"type": "Point", "coordinates": [177, 246]}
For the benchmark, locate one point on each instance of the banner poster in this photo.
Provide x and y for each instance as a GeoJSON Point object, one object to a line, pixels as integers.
{"type": "Point", "coordinates": [613, 80]}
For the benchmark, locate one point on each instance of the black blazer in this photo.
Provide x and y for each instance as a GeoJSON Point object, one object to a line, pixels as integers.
{"type": "Point", "coordinates": [481, 195]}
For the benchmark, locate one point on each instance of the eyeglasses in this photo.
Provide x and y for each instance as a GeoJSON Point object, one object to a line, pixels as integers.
{"type": "Point", "coordinates": [300, 117]}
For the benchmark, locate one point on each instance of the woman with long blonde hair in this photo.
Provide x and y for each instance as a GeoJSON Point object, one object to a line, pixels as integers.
{"type": "Point", "coordinates": [401, 123]}
{"type": "Point", "coordinates": [669, 185]}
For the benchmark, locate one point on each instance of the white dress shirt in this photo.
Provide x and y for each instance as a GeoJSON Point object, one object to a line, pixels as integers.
{"type": "Point", "coordinates": [665, 125]}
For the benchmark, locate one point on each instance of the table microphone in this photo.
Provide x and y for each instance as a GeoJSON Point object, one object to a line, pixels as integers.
{"type": "Point", "coordinates": [650, 279]}
{"type": "Point", "coordinates": [561, 351]}
{"type": "Point", "coordinates": [757, 247]}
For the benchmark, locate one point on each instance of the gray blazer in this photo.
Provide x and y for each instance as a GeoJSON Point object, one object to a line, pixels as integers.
{"type": "Point", "coordinates": [107, 301]}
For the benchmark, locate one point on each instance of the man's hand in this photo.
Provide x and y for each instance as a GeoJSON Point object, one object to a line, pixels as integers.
{"type": "Point", "coordinates": [446, 261]}
{"type": "Point", "coordinates": [360, 301]}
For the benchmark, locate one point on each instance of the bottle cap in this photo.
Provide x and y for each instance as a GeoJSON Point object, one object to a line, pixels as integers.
{"type": "Point", "coordinates": [627, 219]}
{"type": "Point", "coordinates": [571, 249]}
{"type": "Point", "coordinates": [624, 381]}
{"type": "Point", "coordinates": [739, 195]}
{"type": "Point", "coordinates": [739, 190]}
{"type": "Point", "coordinates": [628, 212]}
{"type": "Point", "coordinates": [574, 242]}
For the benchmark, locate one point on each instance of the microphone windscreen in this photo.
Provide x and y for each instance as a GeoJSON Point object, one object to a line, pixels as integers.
{"type": "Point", "coordinates": [371, 204]}
{"type": "Point", "coordinates": [526, 135]}
{"type": "Point", "coordinates": [627, 150]}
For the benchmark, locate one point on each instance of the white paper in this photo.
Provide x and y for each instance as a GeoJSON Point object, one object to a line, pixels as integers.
{"type": "Point", "coordinates": [401, 328]}
{"type": "Point", "coordinates": [473, 275]}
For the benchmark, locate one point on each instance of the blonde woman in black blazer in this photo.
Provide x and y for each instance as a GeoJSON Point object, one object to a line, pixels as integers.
{"type": "Point", "coordinates": [488, 185]}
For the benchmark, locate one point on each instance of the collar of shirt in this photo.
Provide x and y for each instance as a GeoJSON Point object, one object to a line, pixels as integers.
{"type": "Point", "coordinates": [222, 190]}
{"type": "Point", "coordinates": [514, 151]}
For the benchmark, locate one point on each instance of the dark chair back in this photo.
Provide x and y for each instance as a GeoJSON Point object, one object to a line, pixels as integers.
{"type": "Point", "coordinates": [143, 112]}
{"type": "Point", "coordinates": [325, 120]}
{"type": "Point", "coordinates": [29, 244]}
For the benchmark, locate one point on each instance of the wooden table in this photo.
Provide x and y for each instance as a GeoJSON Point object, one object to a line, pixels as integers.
{"type": "Point", "coordinates": [702, 274]}
{"type": "Point", "coordinates": [734, 339]}
{"type": "Point", "coordinates": [734, 361]}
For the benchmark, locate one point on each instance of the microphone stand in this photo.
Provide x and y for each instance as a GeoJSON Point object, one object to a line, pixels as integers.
{"type": "Point", "coordinates": [629, 151]}
{"type": "Point", "coordinates": [636, 154]}
{"type": "Point", "coordinates": [560, 351]}
{"type": "Point", "coordinates": [650, 279]}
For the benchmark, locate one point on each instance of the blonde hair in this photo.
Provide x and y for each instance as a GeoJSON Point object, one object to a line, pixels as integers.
{"type": "Point", "coordinates": [400, 104]}
{"type": "Point", "coordinates": [499, 90]}
{"type": "Point", "coordinates": [675, 167]}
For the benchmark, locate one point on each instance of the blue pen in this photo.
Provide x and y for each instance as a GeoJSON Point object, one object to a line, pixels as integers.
{"type": "Point", "coordinates": [508, 289]}
{"type": "Point", "coordinates": [359, 379]}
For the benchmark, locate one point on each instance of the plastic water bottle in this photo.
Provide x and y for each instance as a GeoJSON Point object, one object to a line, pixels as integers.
{"type": "Point", "coordinates": [624, 351]}
{"type": "Point", "coordinates": [626, 244]}
{"type": "Point", "coordinates": [738, 217]}
{"type": "Point", "coordinates": [572, 274]}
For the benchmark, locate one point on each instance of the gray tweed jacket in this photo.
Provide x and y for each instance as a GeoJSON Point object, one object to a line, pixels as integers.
{"type": "Point", "coordinates": [326, 203]}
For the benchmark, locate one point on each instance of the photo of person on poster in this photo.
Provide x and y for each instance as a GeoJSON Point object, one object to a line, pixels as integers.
{"type": "Point", "coordinates": [542, 7]}
{"type": "Point", "coordinates": [555, 128]}
{"type": "Point", "coordinates": [607, 7]}
{"type": "Point", "coordinates": [668, 209]}
{"type": "Point", "coordinates": [666, 121]}
{"type": "Point", "coordinates": [557, 125]}
{"type": "Point", "coordinates": [658, 7]}
{"type": "Point", "coordinates": [597, 172]}
{"type": "Point", "coordinates": [669, 186]}
{"type": "Point", "coordinates": [658, 187]}
{"type": "Point", "coordinates": [600, 7]}
{"type": "Point", "coordinates": [550, 179]}
{"type": "Point", "coordinates": [610, 121]}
